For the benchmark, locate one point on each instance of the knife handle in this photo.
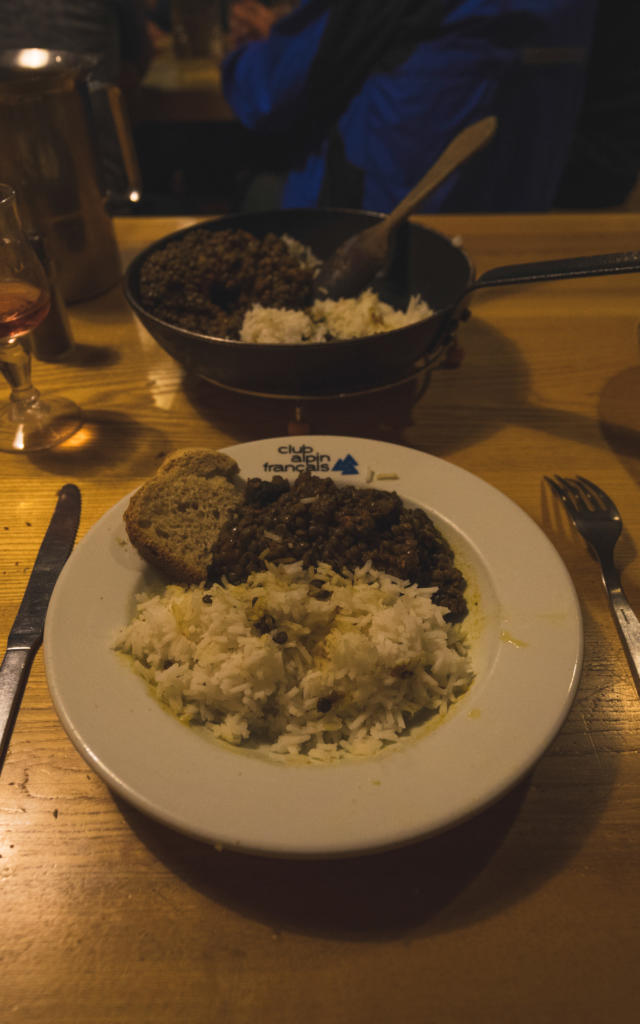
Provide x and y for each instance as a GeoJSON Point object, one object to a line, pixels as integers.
{"type": "Point", "coordinates": [13, 677]}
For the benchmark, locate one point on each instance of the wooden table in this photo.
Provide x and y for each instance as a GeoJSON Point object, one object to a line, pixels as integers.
{"type": "Point", "coordinates": [527, 913]}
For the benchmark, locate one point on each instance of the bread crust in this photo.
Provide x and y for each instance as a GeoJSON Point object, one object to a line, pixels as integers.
{"type": "Point", "coordinates": [174, 518]}
{"type": "Point", "coordinates": [203, 461]}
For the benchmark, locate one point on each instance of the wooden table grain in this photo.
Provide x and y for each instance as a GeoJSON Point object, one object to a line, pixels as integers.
{"type": "Point", "coordinates": [527, 913]}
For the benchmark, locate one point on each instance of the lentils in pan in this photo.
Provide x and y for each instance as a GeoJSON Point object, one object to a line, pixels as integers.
{"type": "Point", "coordinates": [207, 280]}
{"type": "Point", "coordinates": [317, 521]}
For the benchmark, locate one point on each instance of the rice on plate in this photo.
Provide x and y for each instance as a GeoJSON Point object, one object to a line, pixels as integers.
{"type": "Point", "coordinates": [301, 661]}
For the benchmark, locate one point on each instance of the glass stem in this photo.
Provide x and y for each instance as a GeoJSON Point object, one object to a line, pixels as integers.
{"type": "Point", "coordinates": [15, 363]}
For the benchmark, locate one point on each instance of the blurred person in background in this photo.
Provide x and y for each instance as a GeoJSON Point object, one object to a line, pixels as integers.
{"type": "Point", "coordinates": [364, 95]}
{"type": "Point", "coordinates": [158, 13]}
{"type": "Point", "coordinates": [604, 159]}
{"type": "Point", "coordinates": [248, 20]}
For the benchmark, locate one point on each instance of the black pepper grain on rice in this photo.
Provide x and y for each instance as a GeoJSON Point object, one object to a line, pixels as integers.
{"type": "Point", "coordinates": [264, 624]}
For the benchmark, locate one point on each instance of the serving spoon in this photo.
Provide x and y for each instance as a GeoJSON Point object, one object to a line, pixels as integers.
{"type": "Point", "coordinates": [356, 262]}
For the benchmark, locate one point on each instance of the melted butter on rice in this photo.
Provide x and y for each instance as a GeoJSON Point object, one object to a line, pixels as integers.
{"type": "Point", "coordinates": [276, 663]}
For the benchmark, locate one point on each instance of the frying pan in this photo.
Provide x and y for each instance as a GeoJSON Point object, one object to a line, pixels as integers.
{"type": "Point", "coordinates": [424, 262]}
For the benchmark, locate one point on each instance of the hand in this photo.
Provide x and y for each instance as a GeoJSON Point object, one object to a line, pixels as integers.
{"type": "Point", "coordinates": [159, 40]}
{"type": "Point", "coordinates": [250, 20]}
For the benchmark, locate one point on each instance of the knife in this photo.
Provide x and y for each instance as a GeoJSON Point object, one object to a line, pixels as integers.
{"type": "Point", "coordinates": [27, 630]}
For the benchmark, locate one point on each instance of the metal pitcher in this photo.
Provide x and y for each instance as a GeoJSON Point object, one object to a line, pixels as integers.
{"type": "Point", "coordinates": [56, 126]}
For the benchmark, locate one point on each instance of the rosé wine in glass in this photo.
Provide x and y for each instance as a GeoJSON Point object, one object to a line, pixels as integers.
{"type": "Point", "coordinates": [29, 422]}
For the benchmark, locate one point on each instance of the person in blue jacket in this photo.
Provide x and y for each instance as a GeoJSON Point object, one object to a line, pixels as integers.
{"type": "Point", "coordinates": [364, 95]}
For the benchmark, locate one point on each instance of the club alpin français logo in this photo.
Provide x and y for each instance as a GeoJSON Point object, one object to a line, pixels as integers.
{"type": "Point", "coordinates": [292, 458]}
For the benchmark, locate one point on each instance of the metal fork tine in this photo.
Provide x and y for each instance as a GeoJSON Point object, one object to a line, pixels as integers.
{"type": "Point", "coordinates": [590, 502]}
{"type": "Point", "coordinates": [598, 493]}
{"type": "Point", "coordinates": [597, 519]}
{"type": "Point", "coordinates": [574, 495]}
{"type": "Point", "coordinates": [559, 489]}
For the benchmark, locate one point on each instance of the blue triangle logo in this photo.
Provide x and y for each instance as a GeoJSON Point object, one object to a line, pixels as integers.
{"type": "Point", "coordinates": [348, 466]}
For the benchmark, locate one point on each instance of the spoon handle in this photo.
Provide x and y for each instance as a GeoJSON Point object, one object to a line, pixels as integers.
{"type": "Point", "coordinates": [464, 145]}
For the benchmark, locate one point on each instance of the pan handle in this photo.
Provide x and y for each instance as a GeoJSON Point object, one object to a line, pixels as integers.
{"type": "Point", "coordinates": [554, 270]}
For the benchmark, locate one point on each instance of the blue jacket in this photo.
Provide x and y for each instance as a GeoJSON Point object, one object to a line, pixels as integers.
{"type": "Point", "coordinates": [521, 60]}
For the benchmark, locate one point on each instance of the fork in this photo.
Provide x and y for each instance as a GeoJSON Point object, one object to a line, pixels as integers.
{"type": "Point", "coordinates": [597, 519]}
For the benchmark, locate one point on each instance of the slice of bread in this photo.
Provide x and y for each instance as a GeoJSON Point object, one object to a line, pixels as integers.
{"type": "Point", "coordinates": [175, 517]}
{"type": "Point", "coordinates": [201, 461]}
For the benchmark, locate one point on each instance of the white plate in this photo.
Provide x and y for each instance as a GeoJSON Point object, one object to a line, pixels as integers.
{"type": "Point", "coordinates": [526, 643]}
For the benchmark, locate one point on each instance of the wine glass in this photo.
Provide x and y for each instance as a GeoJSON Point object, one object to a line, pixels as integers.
{"type": "Point", "coordinates": [28, 423]}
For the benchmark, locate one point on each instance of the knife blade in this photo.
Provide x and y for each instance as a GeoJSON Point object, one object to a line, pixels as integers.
{"type": "Point", "coordinates": [26, 633]}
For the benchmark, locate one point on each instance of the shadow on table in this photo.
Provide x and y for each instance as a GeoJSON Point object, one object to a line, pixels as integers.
{"type": "Point", "coordinates": [623, 437]}
{"type": "Point", "coordinates": [362, 897]}
{"type": "Point", "coordinates": [382, 415]}
{"type": "Point", "coordinates": [99, 443]}
{"type": "Point", "coordinates": [106, 308]}
{"type": "Point", "coordinates": [85, 357]}
{"type": "Point", "coordinates": [387, 414]}
{"type": "Point", "coordinates": [495, 390]}
{"type": "Point", "coordinates": [466, 874]}
{"type": "Point", "coordinates": [471, 401]}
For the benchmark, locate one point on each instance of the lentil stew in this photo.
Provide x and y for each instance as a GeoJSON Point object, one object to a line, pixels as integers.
{"type": "Point", "coordinates": [315, 520]}
{"type": "Point", "coordinates": [207, 280]}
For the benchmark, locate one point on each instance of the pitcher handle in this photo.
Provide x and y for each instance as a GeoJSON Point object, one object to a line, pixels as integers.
{"type": "Point", "coordinates": [112, 117]}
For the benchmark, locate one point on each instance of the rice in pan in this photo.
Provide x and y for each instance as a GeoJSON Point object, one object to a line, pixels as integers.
{"type": "Point", "coordinates": [328, 319]}
{"type": "Point", "coordinates": [301, 661]}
